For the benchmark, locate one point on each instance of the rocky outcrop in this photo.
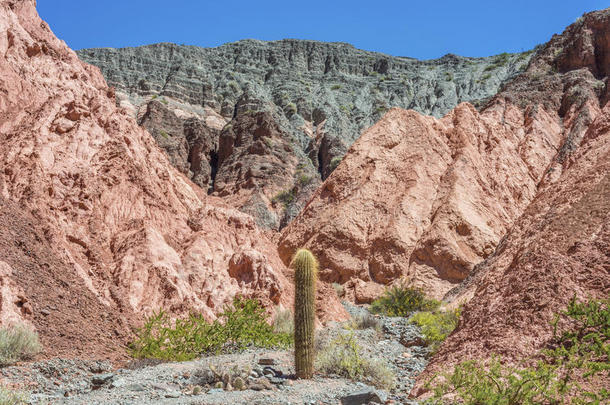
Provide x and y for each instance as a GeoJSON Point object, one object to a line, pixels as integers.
{"type": "Point", "coordinates": [319, 95]}
{"type": "Point", "coordinates": [559, 248]}
{"type": "Point", "coordinates": [129, 234]}
{"type": "Point", "coordinates": [428, 199]}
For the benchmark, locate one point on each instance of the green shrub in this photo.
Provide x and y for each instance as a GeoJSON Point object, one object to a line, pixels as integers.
{"type": "Point", "coordinates": [343, 356]}
{"type": "Point", "coordinates": [575, 355]}
{"type": "Point", "coordinates": [334, 162]}
{"type": "Point", "coordinates": [17, 343]}
{"type": "Point", "coordinates": [436, 325]}
{"type": "Point", "coordinates": [268, 141]}
{"type": "Point", "coordinates": [164, 134]}
{"type": "Point", "coordinates": [304, 180]}
{"type": "Point", "coordinates": [335, 87]}
{"type": "Point", "coordinates": [494, 383]}
{"type": "Point", "coordinates": [290, 108]}
{"type": "Point", "coordinates": [486, 76]}
{"type": "Point", "coordinates": [11, 397]}
{"type": "Point", "coordinates": [401, 300]}
{"type": "Point", "coordinates": [241, 325]}
{"type": "Point", "coordinates": [164, 101]}
{"type": "Point", "coordinates": [448, 76]}
{"type": "Point", "coordinates": [285, 197]}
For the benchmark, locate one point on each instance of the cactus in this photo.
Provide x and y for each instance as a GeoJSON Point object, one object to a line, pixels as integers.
{"type": "Point", "coordinates": [305, 268]}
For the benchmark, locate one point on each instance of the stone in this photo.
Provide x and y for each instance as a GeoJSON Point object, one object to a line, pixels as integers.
{"type": "Point", "coordinates": [266, 361]}
{"type": "Point", "coordinates": [365, 397]}
{"type": "Point", "coordinates": [102, 379]}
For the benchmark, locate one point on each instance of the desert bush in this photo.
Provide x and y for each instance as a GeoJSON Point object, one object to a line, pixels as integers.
{"type": "Point", "coordinates": [286, 197]}
{"type": "Point", "coordinates": [283, 322]}
{"type": "Point", "coordinates": [365, 321]}
{"type": "Point", "coordinates": [12, 397]}
{"type": "Point", "coordinates": [401, 300]}
{"type": "Point", "coordinates": [240, 326]}
{"type": "Point", "coordinates": [575, 355]}
{"type": "Point", "coordinates": [436, 325]}
{"type": "Point", "coordinates": [17, 343]}
{"type": "Point", "coordinates": [343, 356]}
{"type": "Point", "coordinates": [492, 382]}
{"type": "Point", "coordinates": [334, 162]}
{"type": "Point", "coordinates": [338, 289]}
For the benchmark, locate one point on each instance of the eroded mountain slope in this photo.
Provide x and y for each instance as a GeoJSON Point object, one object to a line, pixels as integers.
{"type": "Point", "coordinates": [320, 97]}
{"type": "Point", "coordinates": [123, 223]}
{"type": "Point", "coordinates": [427, 199]}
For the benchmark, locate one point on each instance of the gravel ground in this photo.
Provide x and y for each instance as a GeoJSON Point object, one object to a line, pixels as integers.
{"type": "Point", "coordinates": [92, 382]}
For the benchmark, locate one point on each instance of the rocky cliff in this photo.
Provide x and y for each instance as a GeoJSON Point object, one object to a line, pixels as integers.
{"type": "Point", "coordinates": [320, 97]}
{"type": "Point", "coordinates": [427, 199]}
{"type": "Point", "coordinates": [98, 228]}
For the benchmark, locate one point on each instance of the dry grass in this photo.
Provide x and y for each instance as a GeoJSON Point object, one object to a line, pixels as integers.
{"type": "Point", "coordinates": [17, 343]}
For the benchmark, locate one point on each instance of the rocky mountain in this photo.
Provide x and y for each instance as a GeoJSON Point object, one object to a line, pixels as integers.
{"type": "Point", "coordinates": [98, 229]}
{"type": "Point", "coordinates": [559, 248]}
{"type": "Point", "coordinates": [427, 199]}
{"type": "Point", "coordinates": [319, 97]}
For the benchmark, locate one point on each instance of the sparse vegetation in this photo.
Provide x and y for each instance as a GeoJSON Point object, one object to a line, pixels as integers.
{"type": "Point", "coordinates": [241, 325]}
{"type": "Point", "coordinates": [164, 134]}
{"type": "Point", "coordinates": [290, 108]}
{"type": "Point", "coordinates": [401, 300]}
{"type": "Point", "coordinates": [339, 289]}
{"type": "Point", "coordinates": [486, 76]}
{"type": "Point", "coordinates": [164, 101]}
{"type": "Point", "coordinates": [304, 180]}
{"type": "Point", "coordinates": [448, 76]}
{"type": "Point", "coordinates": [343, 356]}
{"type": "Point", "coordinates": [268, 141]}
{"type": "Point", "coordinates": [17, 343]}
{"type": "Point", "coordinates": [436, 325]}
{"type": "Point", "coordinates": [335, 87]}
{"type": "Point", "coordinates": [283, 322]}
{"type": "Point", "coordinates": [334, 162]}
{"type": "Point", "coordinates": [575, 355]}
{"type": "Point", "coordinates": [286, 197]}
{"type": "Point", "coordinates": [12, 397]}
{"type": "Point", "coordinates": [366, 321]}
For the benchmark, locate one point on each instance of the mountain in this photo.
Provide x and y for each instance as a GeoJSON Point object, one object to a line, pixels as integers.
{"type": "Point", "coordinates": [98, 228]}
{"type": "Point", "coordinates": [315, 98]}
{"type": "Point", "coordinates": [428, 199]}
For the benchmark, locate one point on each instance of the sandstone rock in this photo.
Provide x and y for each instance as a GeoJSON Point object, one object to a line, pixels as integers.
{"type": "Point", "coordinates": [427, 199]}
{"type": "Point", "coordinates": [129, 233]}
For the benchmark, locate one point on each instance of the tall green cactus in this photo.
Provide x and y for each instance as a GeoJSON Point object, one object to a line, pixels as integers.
{"type": "Point", "coordinates": [305, 272]}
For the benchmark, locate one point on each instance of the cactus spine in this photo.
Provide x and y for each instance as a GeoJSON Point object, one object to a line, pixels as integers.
{"type": "Point", "coordinates": [305, 269]}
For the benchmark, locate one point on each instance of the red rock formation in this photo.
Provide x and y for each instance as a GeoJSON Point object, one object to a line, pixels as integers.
{"type": "Point", "coordinates": [558, 249]}
{"type": "Point", "coordinates": [428, 199]}
{"type": "Point", "coordinates": [130, 233]}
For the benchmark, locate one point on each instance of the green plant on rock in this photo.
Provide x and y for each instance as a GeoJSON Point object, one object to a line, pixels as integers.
{"type": "Point", "coordinates": [575, 356]}
{"type": "Point", "coordinates": [241, 325]}
{"type": "Point", "coordinates": [334, 162]}
{"type": "Point", "coordinates": [436, 325]}
{"type": "Point", "coordinates": [17, 342]}
{"type": "Point", "coordinates": [286, 197]}
{"type": "Point", "coordinates": [305, 269]}
{"type": "Point", "coordinates": [401, 300]}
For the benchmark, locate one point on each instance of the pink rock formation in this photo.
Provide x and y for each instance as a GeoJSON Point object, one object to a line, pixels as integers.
{"type": "Point", "coordinates": [129, 227]}
{"type": "Point", "coordinates": [428, 199]}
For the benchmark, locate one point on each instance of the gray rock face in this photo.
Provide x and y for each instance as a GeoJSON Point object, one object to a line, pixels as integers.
{"type": "Point", "coordinates": [321, 95]}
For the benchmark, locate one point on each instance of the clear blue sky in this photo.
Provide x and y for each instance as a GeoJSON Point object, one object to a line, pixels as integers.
{"type": "Point", "coordinates": [418, 28]}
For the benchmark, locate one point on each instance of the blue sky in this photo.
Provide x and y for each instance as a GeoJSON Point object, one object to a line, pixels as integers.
{"type": "Point", "coordinates": [418, 28]}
